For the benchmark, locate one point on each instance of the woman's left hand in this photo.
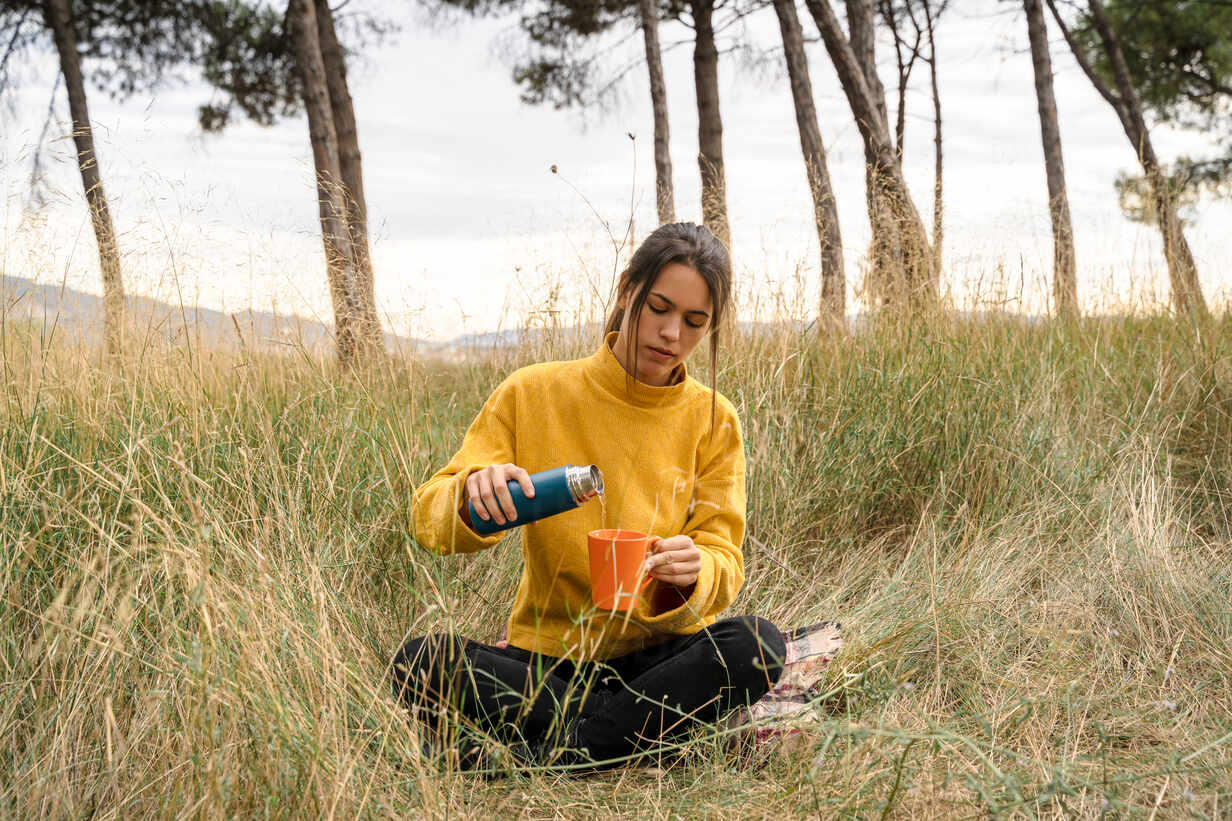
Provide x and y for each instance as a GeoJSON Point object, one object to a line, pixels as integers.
{"type": "Point", "coordinates": [675, 560]}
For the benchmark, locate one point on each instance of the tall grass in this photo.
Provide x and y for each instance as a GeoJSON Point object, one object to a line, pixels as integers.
{"type": "Point", "coordinates": [1023, 527]}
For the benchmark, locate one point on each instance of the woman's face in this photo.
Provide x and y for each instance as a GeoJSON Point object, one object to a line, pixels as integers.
{"type": "Point", "coordinates": [676, 317]}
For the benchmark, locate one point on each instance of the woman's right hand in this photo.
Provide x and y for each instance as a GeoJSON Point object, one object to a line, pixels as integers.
{"type": "Point", "coordinates": [489, 491]}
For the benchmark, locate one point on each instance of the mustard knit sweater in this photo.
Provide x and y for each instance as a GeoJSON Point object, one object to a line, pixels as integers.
{"type": "Point", "coordinates": [665, 474]}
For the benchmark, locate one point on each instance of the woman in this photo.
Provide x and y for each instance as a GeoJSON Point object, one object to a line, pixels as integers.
{"type": "Point", "coordinates": [575, 684]}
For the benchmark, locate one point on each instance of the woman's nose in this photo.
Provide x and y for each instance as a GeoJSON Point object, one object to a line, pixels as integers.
{"type": "Point", "coordinates": [671, 329]}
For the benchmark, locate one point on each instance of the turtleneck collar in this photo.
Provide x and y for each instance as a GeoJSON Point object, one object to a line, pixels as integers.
{"type": "Point", "coordinates": [612, 377]}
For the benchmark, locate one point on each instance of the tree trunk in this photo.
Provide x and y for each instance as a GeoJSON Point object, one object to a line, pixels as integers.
{"type": "Point", "coordinates": [344, 285]}
{"type": "Point", "coordinates": [862, 22]}
{"type": "Point", "coordinates": [1064, 276]}
{"type": "Point", "coordinates": [914, 281]}
{"type": "Point", "coordinates": [60, 21]}
{"type": "Point", "coordinates": [900, 121]}
{"type": "Point", "coordinates": [938, 166]}
{"type": "Point", "coordinates": [825, 211]}
{"type": "Point", "coordinates": [368, 325]}
{"type": "Point", "coordinates": [887, 270]}
{"type": "Point", "coordinates": [664, 197]}
{"type": "Point", "coordinates": [1182, 271]}
{"type": "Point", "coordinates": [709, 123]}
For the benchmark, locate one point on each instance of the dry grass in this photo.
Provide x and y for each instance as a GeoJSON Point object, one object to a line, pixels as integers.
{"type": "Point", "coordinates": [1024, 528]}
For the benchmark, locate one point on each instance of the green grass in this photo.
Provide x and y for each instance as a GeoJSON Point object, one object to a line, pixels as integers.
{"type": "Point", "coordinates": [1023, 527]}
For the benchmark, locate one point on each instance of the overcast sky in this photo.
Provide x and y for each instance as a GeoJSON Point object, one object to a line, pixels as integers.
{"type": "Point", "coordinates": [472, 231]}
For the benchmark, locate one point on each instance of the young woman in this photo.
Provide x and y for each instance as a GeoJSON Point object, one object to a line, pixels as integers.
{"type": "Point", "coordinates": [574, 683]}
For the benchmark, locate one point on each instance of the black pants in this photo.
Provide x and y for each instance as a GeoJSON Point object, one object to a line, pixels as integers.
{"type": "Point", "coordinates": [599, 710]}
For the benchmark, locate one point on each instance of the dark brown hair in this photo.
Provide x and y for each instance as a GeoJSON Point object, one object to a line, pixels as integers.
{"type": "Point", "coordinates": [688, 244]}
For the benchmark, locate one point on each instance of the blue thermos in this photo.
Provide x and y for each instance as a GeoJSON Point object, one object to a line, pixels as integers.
{"type": "Point", "coordinates": [556, 491]}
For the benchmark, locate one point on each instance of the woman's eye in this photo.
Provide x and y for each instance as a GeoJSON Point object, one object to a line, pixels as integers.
{"type": "Point", "coordinates": [693, 324]}
{"type": "Point", "coordinates": [657, 310]}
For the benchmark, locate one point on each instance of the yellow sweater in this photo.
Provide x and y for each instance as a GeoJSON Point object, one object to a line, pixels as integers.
{"type": "Point", "coordinates": [664, 472]}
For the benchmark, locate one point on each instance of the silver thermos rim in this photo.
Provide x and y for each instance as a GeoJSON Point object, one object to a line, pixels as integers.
{"type": "Point", "coordinates": [585, 481]}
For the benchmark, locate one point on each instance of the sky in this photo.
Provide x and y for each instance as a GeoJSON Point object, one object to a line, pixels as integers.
{"type": "Point", "coordinates": [472, 231]}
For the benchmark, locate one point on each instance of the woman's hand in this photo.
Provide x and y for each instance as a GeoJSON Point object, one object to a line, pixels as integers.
{"type": "Point", "coordinates": [489, 490]}
{"type": "Point", "coordinates": [676, 560]}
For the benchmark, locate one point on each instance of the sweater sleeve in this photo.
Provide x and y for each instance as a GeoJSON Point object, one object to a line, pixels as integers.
{"type": "Point", "coordinates": [436, 521]}
{"type": "Point", "coordinates": [716, 525]}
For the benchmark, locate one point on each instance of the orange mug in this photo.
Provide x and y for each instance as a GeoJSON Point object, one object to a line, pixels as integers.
{"type": "Point", "coordinates": [616, 558]}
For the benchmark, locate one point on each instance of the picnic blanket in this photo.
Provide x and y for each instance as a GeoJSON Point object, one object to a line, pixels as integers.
{"type": "Point", "coordinates": [784, 710]}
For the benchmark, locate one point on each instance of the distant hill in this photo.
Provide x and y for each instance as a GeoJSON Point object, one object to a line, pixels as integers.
{"type": "Point", "coordinates": [80, 315]}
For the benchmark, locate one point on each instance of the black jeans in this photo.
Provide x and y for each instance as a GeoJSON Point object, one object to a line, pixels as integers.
{"type": "Point", "coordinates": [597, 710]}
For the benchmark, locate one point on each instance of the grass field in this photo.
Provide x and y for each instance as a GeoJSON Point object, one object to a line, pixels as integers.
{"type": "Point", "coordinates": [1024, 528]}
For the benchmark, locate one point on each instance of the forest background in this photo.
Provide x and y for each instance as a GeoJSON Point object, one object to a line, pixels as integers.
{"type": "Point", "coordinates": [465, 165]}
{"type": "Point", "coordinates": [1006, 468]}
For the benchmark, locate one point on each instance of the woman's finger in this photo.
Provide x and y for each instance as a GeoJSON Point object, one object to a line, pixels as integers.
{"type": "Point", "coordinates": [673, 563]}
{"type": "Point", "coordinates": [671, 543]}
{"type": "Point", "coordinates": [486, 496]}
{"type": "Point", "coordinates": [528, 489]}
{"type": "Point", "coordinates": [676, 570]}
{"type": "Point", "coordinates": [676, 557]}
{"type": "Point", "coordinates": [472, 489]}
{"type": "Point", "coordinates": [500, 486]}
{"type": "Point", "coordinates": [679, 579]}
{"type": "Point", "coordinates": [473, 495]}
{"type": "Point", "coordinates": [659, 559]}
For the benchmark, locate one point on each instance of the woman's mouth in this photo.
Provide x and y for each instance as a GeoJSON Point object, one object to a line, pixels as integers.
{"type": "Point", "coordinates": [659, 354]}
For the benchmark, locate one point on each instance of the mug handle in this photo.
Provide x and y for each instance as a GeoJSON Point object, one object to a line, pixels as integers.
{"type": "Point", "coordinates": [650, 543]}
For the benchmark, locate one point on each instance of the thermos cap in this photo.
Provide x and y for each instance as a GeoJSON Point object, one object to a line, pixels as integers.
{"type": "Point", "coordinates": [585, 481]}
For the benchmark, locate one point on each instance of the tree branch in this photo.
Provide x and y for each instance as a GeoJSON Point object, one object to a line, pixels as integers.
{"type": "Point", "coordinates": [1113, 100]}
{"type": "Point", "coordinates": [38, 187]}
{"type": "Point", "coordinates": [11, 49]}
{"type": "Point", "coordinates": [1214, 85]}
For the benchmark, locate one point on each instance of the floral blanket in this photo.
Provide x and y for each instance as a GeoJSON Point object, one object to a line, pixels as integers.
{"type": "Point", "coordinates": [784, 709]}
